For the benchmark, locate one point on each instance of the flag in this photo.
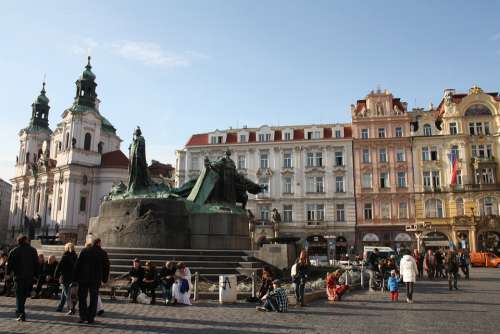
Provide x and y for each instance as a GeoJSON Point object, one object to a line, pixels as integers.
{"type": "Point", "coordinates": [454, 166]}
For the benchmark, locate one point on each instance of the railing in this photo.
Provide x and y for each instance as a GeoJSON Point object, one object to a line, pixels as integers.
{"type": "Point", "coordinates": [482, 186]}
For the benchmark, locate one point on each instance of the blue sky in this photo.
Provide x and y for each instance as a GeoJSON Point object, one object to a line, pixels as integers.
{"type": "Point", "coordinates": [182, 67]}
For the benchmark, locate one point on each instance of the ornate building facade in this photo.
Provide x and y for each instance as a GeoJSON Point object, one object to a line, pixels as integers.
{"type": "Point", "coordinates": [5, 194]}
{"type": "Point", "coordinates": [61, 176]}
{"type": "Point", "coordinates": [383, 173]}
{"type": "Point", "coordinates": [457, 192]}
{"type": "Point", "coordinates": [308, 172]}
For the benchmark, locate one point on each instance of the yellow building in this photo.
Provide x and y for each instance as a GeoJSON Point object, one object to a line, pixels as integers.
{"type": "Point", "coordinates": [465, 126]}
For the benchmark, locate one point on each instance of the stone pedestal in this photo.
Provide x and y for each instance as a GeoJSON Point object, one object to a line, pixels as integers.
{"type": "Point", "coordinates": [219, 231]}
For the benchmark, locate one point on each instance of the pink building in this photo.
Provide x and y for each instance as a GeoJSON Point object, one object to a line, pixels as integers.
{"type": "Point", "coordinates": [383, 174]}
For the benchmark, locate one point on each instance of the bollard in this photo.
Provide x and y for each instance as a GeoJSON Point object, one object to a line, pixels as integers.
{"type": "Point", "coordinates": [196, 279]}
{"type": "Point", "coordinates": [253, 284]}
{"type": "Point", "coordinates": [362, 276]}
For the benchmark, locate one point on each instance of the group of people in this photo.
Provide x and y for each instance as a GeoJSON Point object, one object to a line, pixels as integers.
{"type": "Point", "coordinates": [79, 276]}
{"type": "Point", "coordinates": [173, 278]}
{"type": "Point", "coordinates": [435, 264]}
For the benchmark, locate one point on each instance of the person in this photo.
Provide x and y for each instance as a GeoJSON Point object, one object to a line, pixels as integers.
{"type": "Point", "coordinates": [372, 266]}
{"type": "Point", "coordinates": [7, 281]}
{"type": "Point", "coordinates": [91, 268]}
{"type": "Point", "coordinates": [393, 286]}
{"type": "Point", "coordinates": [150, 281]}
{"type": "Point", "coordinates": [430, 264]}
{"type": "Point", "coordinates": [300, 273]}
{"type": "Point", "coordinates": [167, 279]}
{"type": "Point", "coordinates": [452, 269]}
{"type": "Point", "coordinates": [276, 300]}
{"type": "Point", "coordinates": [40, 279]}
{"type": "Point", "coordinates": [439, 264]}
{"type": "Point", "coordinates": [267, 282]}
{"type": "Point", "coordinates": [64, 273]}
{"type": "Point", "coordinates": [335, 290]}
{"type": "Point", "coordinates": [465, 262]}
{"type": "Point", "coordinates": [47, 277]}
{"type": "Point", "coordinates": [181, 289]}
{"type": "Point", "coordinates": [135, 276]}
{"type": "Point", "coordinates": [23, 264]}
{"type": "Point", "coordinates": [419, 259]}
{"type": "Point", "coordinates": [408, 269]}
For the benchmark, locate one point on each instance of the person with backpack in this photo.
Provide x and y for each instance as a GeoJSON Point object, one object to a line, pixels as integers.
{"type": "Point", "coordinates": [300, 273]}
{"type": "Point", "coordinates": [452, 267]}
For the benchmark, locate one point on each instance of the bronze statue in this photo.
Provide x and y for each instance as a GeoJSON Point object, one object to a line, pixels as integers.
{"type": "Point", "coordinates": [138, 167]}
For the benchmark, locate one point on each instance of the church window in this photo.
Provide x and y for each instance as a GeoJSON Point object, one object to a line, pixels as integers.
{"type": "Point", "coordinates": [87, 143]}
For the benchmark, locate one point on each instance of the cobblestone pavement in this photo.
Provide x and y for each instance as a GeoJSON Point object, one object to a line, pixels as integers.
{"type": "Point", "coordinates": [475, 308]}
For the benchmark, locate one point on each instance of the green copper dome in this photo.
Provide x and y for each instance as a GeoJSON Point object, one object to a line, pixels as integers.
{"type": "Point", "coordinates": [87, 73]}
{"type": "Point", "coordinates": [42, 98]}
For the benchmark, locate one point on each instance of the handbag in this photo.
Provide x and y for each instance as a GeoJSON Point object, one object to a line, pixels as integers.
{"type": "Point", "coordinates": [184, 287]}
{"type": "Point", "coordinates": [142, 298]}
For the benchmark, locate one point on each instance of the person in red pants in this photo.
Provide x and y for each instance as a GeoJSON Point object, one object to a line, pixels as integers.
{"type": "Point", "coordinates": [335, 290]}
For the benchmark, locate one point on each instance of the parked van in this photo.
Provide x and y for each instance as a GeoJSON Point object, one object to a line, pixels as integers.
{"type": "Point", "coordinates": [480, 259]}
{"type": "Point", "coordinates": [384, 252]}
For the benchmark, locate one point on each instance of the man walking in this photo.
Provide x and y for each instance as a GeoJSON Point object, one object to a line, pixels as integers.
{"type": "Point", "coordinates": [91, 268]}
{"type": "Point", "coordinates": [372, 264]}
{"type": "Point", "coordinates": [23, 263]}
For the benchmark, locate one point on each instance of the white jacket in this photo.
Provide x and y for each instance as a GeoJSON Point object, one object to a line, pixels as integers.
{"type": "Point", "coordinates": [408, 269]}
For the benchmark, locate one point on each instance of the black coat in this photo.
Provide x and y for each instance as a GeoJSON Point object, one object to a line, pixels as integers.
{"type": "Point", "coordinates": [66, 267]}
{"type": "Point", "coordinates": [92, 266]}
{"type": "Point", "coordinates": [373, 261]}
{"type": "Point", "coordinates": [167, 276]}
{"type": "Point", "coordinates": [23, 263]}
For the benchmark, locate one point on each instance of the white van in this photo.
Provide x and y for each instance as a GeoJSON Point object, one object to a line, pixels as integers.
{"type": "Point", "coordinates": [384, 252]}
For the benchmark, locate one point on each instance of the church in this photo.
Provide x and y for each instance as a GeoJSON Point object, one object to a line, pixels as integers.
{"type": "Point", "coordinates": [62, 175]}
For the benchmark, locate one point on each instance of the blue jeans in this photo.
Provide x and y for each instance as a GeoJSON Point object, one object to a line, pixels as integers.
{"type": "Point", "coordinates": [299, 291]}
{"type": "Point", "coordinates": [65, 296]}
{"type": "Point", "coordinates": [167, 291]}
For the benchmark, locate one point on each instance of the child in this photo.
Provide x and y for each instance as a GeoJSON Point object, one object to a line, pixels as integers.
{"type": "Point", "coordinates": [393, 285]}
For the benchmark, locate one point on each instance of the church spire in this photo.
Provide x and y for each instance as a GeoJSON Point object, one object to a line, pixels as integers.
{"type": "Point", "coordinates": [86, 88]}
{"type": "Point", "coordinates": [40, 110]}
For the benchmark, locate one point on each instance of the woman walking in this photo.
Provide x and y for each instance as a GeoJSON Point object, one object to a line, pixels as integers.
{"type": "Point", "coordinates": [300, 272]}
{"type": "Point", "coordinates": [408, 269]}
{"type": "Point", "coordinates": [452, 269]}
{"type": "Point", "coordinates": [64, 272]}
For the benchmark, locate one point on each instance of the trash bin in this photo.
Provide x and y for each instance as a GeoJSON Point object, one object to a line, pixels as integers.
{"type": "Point", "coordinates": [228, 289]}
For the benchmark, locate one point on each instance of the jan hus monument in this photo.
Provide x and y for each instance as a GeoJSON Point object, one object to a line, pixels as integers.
{"type": "Point", "coordinates": [205, 213]}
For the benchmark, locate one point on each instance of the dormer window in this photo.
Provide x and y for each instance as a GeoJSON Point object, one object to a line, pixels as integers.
{"type": "Point", "coordinates": [427, 130]}
{"type": "Point", "coordinates": [217, 138]}
{"type": "Point", "coordinates": [338, 131]}
{"type": "Point", "coordinates": [287, 135]}
{"type": "Point", "coordinates": [314, 133]}
{"type": "Point", "coordinates": [243, 136]}
{"type": "Point", "coordinates": [263, 137]}
{"type": "Point", "coordinates": [265, 134]}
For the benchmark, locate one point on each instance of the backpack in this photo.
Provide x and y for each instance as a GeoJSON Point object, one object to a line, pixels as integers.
{"type": "Point", "coordinates": [184, 286]}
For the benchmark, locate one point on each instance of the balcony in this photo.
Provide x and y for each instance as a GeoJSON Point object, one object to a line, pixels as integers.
{"type": "Point", "coordinates": [482, 186]}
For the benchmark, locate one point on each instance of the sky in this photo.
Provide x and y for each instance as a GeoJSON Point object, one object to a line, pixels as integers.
{"type": "Point", "coordinates": [176, 68]}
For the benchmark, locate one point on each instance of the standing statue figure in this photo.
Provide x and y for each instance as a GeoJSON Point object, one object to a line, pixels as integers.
{"type": "Point", "coordinates": [276, 220]}
{"type": "Point", "coordinates": [138, 168]}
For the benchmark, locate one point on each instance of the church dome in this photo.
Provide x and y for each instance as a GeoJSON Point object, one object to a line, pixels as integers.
{"type": "Point", "coordinates": [42, 98]}
{"type": "Point", "coordinates": [87, 73]}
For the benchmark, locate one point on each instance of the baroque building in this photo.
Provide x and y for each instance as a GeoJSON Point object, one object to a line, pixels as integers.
{"type": "Point", "coordinates": [307, 171]}
{"type": "Point", "coordinates": [61, 176]}
{"type": "Point", "coordinates": [455, 150]}
{"type": "Point", "coordinates": [5, 194]}
{"type": "Point", "coordinates": [383, 173]}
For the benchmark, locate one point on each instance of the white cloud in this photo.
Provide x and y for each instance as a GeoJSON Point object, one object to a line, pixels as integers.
{"type": "Point", "coordinates": [152, 54]}
{"type": "Point", "coordinates": [84, 47]}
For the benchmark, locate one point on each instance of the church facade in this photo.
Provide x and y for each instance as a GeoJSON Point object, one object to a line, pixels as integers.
{"type": "Point", "coordinates": [62, 175]}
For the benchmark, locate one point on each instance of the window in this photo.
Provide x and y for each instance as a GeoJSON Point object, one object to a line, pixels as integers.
{"type": "Point", "coordinates": [401, 179]}
{"type": "Point", "coordinates": [216, 139]}
{"type": "Point", "coordinates": [366, 155]}
{"type": "Point", "coordinates": [316, 134]}
{"type": "Point", "coordinates": [472, 129]}
{"type": "Point", "coordinates": [455, 152]}
{"type": "Point", "coordinates": [310, 159]}
{"type": "Point", "coordinates": [264, 213]}
{"type": "Point", "coordinates": [385, 210]}
{"type": "Point", "coordinates": [479, 128]}
{"type": "Point", "coordinates": [489, 152]}
{"type": "Point", "coordinates": [339, 158]}
{"type": "Point", "coordinates": [479, 151]}
{"type": "Point", "coordinates": [287, 184]}
{"type": "Point", "coordinates": [339, 184]}
{"type": "Point", "coordinates": [433, 208]}
{"type": "Point", "coordinates": [488, 206]}
{"type": "Point", "coordinates": [434, 154]}
{"type": "Point", "coordinates": [67, 140]}
{"type": "Point", "coordinates": [314, 159]}
{"type": "Point", "coordinates": [381, 132]}
{"type": "Point", "coordinates": [243, 138]}
{"type": "Point", "coordinates": [399, 132]}
{"type": "Point", "coordinates": [425, 153]}
{"type": "Point", "coordinates": [427, 180]}
{"type": "Point", "coordinates": [459, 203]}
{"type": "Point", "coordinates": [364, 134]}
{"type": "Point", "coordinates": [368, 214]}
{"type": "Point", "coordinates": [264, 160]}
{"type": "Point", "coordinates": [195, 163]}
{"type": "Point", "coordinates": [287, 160]}
{"type": "Point", "coordinates": [264, 183]}
{"type": "Point", "coordinates": [427, 130]}
{"type": "Point", "coordinates": [315, 212]}
{"type": "Point", "coordinates": [384, 180]}
{"type": "Point", "coordinates": [338, 134]}
{"type": "Point", "coordinates": [400, 154]}
{"type": "Point", "coordinates": [340, 213]}
{"type": "Point", "coordinates": [319, 159]}
{"type": "Point", "coordinates": [382, 155]}
{"type": "Point", "coordinates": [100, 147]}
{"type": "Point", "coordinates": [366, 182]}
{"type": "Point", "coordinates": [87, 142]}
{"type": "Point", "coordinates": [453, 128]}
{"type": "Point", "coordinates": [287, 213]}
{"type": "Point", "coordinates": [486, 128]}
{"type": "Point", "coordinates": [37, 203]}
{"type": "Point", "coordinates": [436, 181]}
{"type": "Point", "coordinates": [264, 137]}
{"type": "Point", "coordinates": [459, 177]}
{"type": "Point", "coordinates": [83, 203]}
{"type": "Point", "coordinates": [485, 176]}
{"type": "Point", "coordinates": [315, 184]}
{"type": "Point", "coordinates": [242, 162]}
{"type": "Point", "coordinates": [287, 136]}
{"type": "Point", "coordinates": [403, 210]}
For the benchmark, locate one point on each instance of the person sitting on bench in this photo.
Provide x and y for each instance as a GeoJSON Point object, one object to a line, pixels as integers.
{"type": "Point", "coordinates": [275, 300]}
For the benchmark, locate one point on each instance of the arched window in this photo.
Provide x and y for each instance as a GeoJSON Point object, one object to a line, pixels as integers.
{"type": "Point", "coordinates": [427, 130]}
{"type": "Point", "coordinates": [459, 203]}
{"type": "Point", "coordinates": [87, 142]}
{"type": "Point", "coordinates": [488, 206]}
{"type": "Point", "coordinates": [433, 208]}
{"type": "Point", "coordinates": [37, 203]}
{"type": "Point", "coordinates": [100, 147]}
{"type": "Point", "coordinates": [67, 140]}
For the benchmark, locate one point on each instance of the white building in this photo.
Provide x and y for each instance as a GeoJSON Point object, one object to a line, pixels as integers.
{"type": "Point", "coordinates": [308, 170]}
{"type": "Point", "coordinates": [62, 176]}
{"type": "Point", "coordinates": [5, 193]}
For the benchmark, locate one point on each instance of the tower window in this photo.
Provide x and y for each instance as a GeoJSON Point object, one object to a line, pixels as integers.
{"type": "Point", "coordinates": [87, 142]}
